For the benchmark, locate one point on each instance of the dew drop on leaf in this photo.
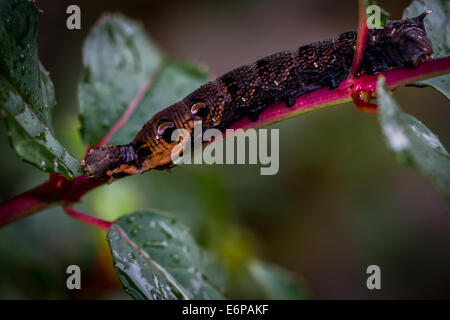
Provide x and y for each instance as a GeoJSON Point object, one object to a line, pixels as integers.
{"type": "Point", "coordinates": [155, 244]}
{"type": "Point", "coordinates": [55, 164]}
{"type": "Point", "coordinates": [175, 258]}
{"type": "Point", "coordinates": [135, 230]}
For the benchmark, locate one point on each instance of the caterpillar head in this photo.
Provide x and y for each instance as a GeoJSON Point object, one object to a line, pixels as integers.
{"type": "Point", "coordinates": [97, 162]}
{"type": "Point", "coordinates": [408, 40]}
{"type": "Point", "coordinates": [107, 160]}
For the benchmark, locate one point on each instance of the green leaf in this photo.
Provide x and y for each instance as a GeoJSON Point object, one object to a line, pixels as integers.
{"type": "Point", "coordinates": [437, 25]}
{"type": "Point", "coordinates": [412, 143]}
{"type": "Point", "coordinates": [275, 282]}
{"type": "Point", "coordinates": [175, 80]}
{"type": "Point", "coordinates": [156, 258]}
{"type": "Point", "coordinates": [27, 96]}
{"type": "Point", "coordinates": [119, 59]}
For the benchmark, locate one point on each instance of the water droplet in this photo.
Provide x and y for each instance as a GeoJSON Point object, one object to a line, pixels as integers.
{"type": "Point", "coordinates": [175, 258]}
{"type": "Point", "coordinates": [192, 270]}
{"type": "Point", "coordinates": [166, 230]}
{"type": "Point", "coordinates": [154, 244]}
{"type": "Point", "coordinates": [105, 123]}
{"type": "Point", "coordinates": [135, 230]}
{"type": "Point", "coordinates": [55, 164]}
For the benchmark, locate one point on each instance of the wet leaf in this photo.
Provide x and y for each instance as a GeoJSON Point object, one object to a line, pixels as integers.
{"type": "Point", "coordinates": [275, 282]}
{"type": "Point", "coordinates": [27, 95]}
{"type": "Point", "coordinates": [119, 59]}
{"type": "Point", "coordinates": [437, 25]}
{"type": "Point", "coordinates": [156, 258]}
{"type": "Point", "coordinates": [412, 142]}
{"type": "Point", "coordinates": [175, 80]}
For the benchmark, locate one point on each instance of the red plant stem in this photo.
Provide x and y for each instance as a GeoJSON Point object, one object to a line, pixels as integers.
{"type": "Point", "coordinates": [361, 39]}
{"type": "Point", "coordinates": [76, 188]}
{"type": "Point", "coordinates": [399, 77]}
{"type": "Point", "coordinates": [34, 200]}
{"type": "Point", "coordinates": [56, 190]}
{"type": "Point", "coordinates": [84, 217]}
{"type": "Point", "coordinates": [319, 98]}
{"type": "Point", "coordinates": [324, 97]}
{"type": "Point", "coordinates": [59, 189]}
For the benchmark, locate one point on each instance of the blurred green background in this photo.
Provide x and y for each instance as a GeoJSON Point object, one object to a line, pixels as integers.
{"type": "Point", "coordinates": [339, 203]}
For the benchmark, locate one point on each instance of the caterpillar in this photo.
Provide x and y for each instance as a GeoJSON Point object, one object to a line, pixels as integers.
{"type": "Point", "coordinates": [247, 90]}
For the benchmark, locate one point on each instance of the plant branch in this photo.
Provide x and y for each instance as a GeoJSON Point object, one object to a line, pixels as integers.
{"type": "Point", "coordinates": [36, 199]}
{"type": "Point", "coordinates": [324, 97]}
{"type": "Point", "coordinates": [56, 190]}
{"type": "Point", "coordinates": [361, 39]}
{"type": "Point", "coordinates": [62, 190]}
{"type": "Point", "coordinates": [86, 218]}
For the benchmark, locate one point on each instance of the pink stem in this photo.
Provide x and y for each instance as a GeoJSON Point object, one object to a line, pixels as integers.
{"type": "Point", "coordinates": [84, 217]}
{"type": "Point", "coordinates": [361, 39]}
{"type": "Point", "coordinates": [79, 186]}
{"type": "Point", "coordinates": [57, 190]}
{"type": "Point", "coordinates": [324, 97]}
{"type": "Point", "coordinates": [316, 99]}
{"type": "Point", "coordinates": [34, 200]}
{"type": "Point", "coordinates": [399, 77]}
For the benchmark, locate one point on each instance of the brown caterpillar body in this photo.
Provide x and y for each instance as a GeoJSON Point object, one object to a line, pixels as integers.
{"type": "Point", "coordinates": [247, 90]}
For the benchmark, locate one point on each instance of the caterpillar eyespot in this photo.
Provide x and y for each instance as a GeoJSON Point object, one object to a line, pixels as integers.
{"type": "Point", "coordinates": [165, 129]}
{"type": "Point", "coordinates": [200, 109]}
{"type": "Point", "coordinates": [247, 90]}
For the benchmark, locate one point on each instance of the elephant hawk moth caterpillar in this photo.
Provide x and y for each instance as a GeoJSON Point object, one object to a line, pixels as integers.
{"type": "Point", "coordinates": [247, 90]}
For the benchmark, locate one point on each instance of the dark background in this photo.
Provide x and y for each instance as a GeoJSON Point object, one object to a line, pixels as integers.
{"type": "Point", "coordinates": [339, 203]}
